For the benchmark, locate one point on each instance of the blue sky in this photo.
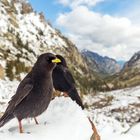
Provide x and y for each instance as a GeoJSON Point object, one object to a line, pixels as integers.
{"type": "Point", "coordinates": [50, 8]}
{"type": "Point", "coordinates": [102, 26]}
{"type": "Point", "coordinates": [113, 6]}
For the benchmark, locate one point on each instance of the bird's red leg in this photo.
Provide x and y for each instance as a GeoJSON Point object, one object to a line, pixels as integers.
{"type": "Point", "coordinates": [65, 94]}
{"type": "Point", "coordinates": [36, 120]}
{"type": "Point", "coordinates": [20, 126]}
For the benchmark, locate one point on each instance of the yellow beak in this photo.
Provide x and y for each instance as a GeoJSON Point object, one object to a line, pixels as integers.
{"type": "Point", "coordinates": [56, 60]}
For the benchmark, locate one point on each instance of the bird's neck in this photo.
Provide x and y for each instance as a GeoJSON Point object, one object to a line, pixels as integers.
{"type": "Point", "coordinates": [41, 74]}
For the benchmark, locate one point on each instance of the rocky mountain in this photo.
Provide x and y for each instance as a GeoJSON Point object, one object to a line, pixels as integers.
{"type": "Point", "coordinates": [130, 74]}
{"type": "Point", "coordinates": [134, 62]}
{"type": "Point", "coordinates": [100, 64]}
{"type": "Point", "coordinates": [25, 34]}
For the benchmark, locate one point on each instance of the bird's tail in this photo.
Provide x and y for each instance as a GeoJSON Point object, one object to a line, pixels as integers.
{"type": "Point", "coordinates": [5, 118]}
{"type": "Point", "coordinates": [75, 97]}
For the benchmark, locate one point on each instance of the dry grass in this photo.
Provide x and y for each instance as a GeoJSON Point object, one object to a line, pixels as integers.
{"type": "Point", "coordinates": [103, 102]}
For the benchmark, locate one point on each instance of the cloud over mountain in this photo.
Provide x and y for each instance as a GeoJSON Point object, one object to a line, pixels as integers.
{"type": "Point", "coordinates": [101, 33]}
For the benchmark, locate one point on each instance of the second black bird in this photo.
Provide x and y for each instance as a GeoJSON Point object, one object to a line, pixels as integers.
{"type": "Point", "coordinates": [63, 81]}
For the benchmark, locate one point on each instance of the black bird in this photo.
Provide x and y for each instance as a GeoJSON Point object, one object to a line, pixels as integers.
{"type": "Point", "coordinates": [34, 93]}
{"type": "Point", "coordinates": [63, 81]}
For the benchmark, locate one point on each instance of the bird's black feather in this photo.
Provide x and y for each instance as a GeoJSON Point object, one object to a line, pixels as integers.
{"type": "Point", "coordinates": [63, 81]}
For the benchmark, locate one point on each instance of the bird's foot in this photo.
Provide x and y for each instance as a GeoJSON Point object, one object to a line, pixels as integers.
{"type": "Point", "coordinates": [20, 126]}
{"type": "Point", "coordinates": [21, 129]}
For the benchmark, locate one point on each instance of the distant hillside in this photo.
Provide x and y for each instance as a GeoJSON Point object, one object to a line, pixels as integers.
{"type": "Point", "coordinates": [100, 64]}
{"type": "Point", "coordinates": [129, 75]}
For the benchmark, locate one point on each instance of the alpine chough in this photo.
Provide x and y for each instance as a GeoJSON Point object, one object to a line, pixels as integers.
{"type": "Point", "coordinates": [34, 93]}
{"type": "Point", "coordinates": [63, 81]}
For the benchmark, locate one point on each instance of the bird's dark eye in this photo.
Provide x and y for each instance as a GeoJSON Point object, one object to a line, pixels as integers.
{"type": "Point", "coordinates": [49, 59]}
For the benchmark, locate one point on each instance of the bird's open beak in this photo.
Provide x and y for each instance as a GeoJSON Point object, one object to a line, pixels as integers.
{"type": "Point", "coordinates": [56, 60]}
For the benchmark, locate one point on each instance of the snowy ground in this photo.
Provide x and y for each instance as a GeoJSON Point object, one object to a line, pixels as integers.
{"type": "Point", "coordinates": [115, 114]}
{"type": "Point", "coordinates": [63, 120]}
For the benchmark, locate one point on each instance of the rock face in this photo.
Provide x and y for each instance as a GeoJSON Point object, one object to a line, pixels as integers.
{"type": "Point", "coordinates": [2, 72]}
{"type": "Point", "coordinates": [134, 62]}
{"type": "Point", "coordinates": [25, 34]}
{"type": "Point", "coordinates": [101, 64]}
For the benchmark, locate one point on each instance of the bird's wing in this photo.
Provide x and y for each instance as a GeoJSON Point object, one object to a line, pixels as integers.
{"type": "Point", "coordinates": [69, 76]}
{"type": "Point", "coordinates": [73, 94]}
{"type": "Point", "coordinates": [23, 90]}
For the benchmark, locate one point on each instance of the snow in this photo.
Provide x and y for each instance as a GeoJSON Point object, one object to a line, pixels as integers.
{"type": "Point", "coordinates": [133, 134]}
{"type": "Point", "coordinates": [121, 137]}
{"type": "Point", "coordinates": [63, 120]}
{"type": "Point", "coordinates": [115, 112]}
{"type": "Point", "coordinates": [135, 130]}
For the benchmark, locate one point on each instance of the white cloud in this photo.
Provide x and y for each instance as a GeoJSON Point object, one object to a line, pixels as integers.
{"type": "Point", "coordinates": [75, 3]}
{"type": "Point", "coordinates": [116, 37]}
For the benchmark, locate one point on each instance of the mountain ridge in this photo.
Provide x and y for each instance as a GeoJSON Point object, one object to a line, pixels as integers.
{"type": "Point", "coordinates": [129, 76]}
{"type": "Point", "coordinates": [134, 61]}
{"type": "Point", "coordinates": [104, 64]}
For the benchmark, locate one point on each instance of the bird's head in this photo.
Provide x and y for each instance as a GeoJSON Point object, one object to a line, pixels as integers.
{"type": "Point", "coordinates": [62, 59]}
{"type": "Point", "coordinates": [47, 61]}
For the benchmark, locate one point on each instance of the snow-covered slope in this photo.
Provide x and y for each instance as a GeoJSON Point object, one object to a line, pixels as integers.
{"type": "Point", "coordinates": [25, 34]}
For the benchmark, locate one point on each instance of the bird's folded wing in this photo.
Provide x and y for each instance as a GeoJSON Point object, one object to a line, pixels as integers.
{"type": "Point", "coordinates": [69, 76]}
{"type": "Point", "coordinates": [23, 90]}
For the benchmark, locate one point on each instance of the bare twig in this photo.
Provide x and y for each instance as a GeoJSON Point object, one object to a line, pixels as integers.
{"type": "Point", "coordinates": [95, 135]}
